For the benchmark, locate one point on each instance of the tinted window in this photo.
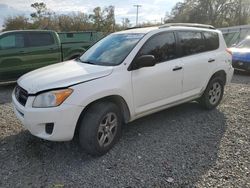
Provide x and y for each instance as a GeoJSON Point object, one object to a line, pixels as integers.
{"type": "Point", "coordinates": [40, 39]}
{"type": "Point", "coordinates": [162, 46]}
{"type": "Point", "coordinates": [191, 42]}
{"type": "Point", "coordinates": [69, 35]}
{"type": "Point", "coordinates": [12, 41]}
{"type": "Point", "coordinates": [211, 40]}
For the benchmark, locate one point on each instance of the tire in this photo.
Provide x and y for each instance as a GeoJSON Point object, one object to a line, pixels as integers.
{"type": "Point", "coordinates": [213, 94]}
{"type": "Point", "coordinates": [100, 128]}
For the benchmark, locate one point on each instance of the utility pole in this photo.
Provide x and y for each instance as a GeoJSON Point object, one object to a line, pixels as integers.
{"type": "Point", "coordinates": [137, 9]}
{"type": "Point", "coordinates": [123, 22]}
{"type": "Point", "coordinates": [240, 11]}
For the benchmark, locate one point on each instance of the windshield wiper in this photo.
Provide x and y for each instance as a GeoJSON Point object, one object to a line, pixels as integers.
{"type": "Point", "coordinates": [87, 62]}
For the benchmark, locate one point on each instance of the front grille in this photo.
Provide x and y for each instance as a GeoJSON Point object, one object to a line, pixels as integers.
{"type": "Point", "coordinates": [21, 95]}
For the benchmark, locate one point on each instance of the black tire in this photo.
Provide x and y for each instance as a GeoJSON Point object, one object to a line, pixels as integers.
{"type": "Point", "coordinates": [94, 127]}
{"type": "Point", "coordinates": [210, 98]}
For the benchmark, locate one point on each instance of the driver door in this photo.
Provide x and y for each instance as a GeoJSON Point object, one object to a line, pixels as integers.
{"type": "Point", "coordinates": [156, 86]}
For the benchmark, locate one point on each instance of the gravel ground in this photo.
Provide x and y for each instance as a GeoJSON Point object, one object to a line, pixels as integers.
{"type": "Point", "coordinates": [184, 146]}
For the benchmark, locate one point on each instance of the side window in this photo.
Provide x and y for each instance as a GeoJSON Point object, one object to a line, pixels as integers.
{"type": "Point", "coordinates": [40, 39]}
{"type": "Point", "coordinates": [211, 40]}
{"type": "Point", "coordinates": [162, 46]}
{"type": "Point", "coordinates": [12, 41]}
{"type": "Point", "coordinates": [191, 42]}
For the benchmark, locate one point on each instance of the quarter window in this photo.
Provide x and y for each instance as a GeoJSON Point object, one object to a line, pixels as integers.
{"type": "Point", "coordinates": [191, 42]}
{"type": "Point", "coordinates": [12, 41]}
{"type": "Point", "coordinates": [40, 39]}
{"type": "Point", "coordinates": [211, 40]}
{"type": "Point", "coordinates": [162, 46]}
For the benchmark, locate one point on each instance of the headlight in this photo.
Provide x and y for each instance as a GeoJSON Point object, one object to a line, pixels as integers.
{"type": "Point", "coordinates": [51, 98]}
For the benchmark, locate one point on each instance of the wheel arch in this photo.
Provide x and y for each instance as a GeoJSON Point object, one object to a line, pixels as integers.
{"type": "Point", "coordinates": [116, 99]}
{"type": "Point", "coordinates": [222, 74]}
{"type": "Point", "coordinates": [74, 53]}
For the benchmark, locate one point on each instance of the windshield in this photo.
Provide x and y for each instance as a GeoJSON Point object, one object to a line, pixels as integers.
{"type": "Point", "coordinates": [244, 44]}
{"type": "Point", "coordinates": [111, 50]}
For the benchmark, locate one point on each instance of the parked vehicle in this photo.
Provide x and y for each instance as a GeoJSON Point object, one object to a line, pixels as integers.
{"type": "Point", "coordinates": [241, 55]}
{"type": "Point", "coordinates": [23, 51]}
{"type": "Point", "coordinates": [125, 76]}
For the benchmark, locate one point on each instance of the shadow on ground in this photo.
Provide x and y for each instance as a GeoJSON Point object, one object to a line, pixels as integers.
{"type": "Point", "coordinates": [181, 143]}
{"type": "Point", "coordinates": [241, 77]}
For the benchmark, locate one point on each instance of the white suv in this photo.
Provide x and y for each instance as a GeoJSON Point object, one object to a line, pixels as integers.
{"type": "Point", "coordinates": [124, 76]}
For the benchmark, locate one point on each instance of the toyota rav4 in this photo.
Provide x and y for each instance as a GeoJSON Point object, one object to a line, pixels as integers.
{"type": "Point", "coordinates": [124, 76]}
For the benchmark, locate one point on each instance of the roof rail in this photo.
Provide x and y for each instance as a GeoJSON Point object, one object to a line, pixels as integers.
{"type": "Point", "coordinates": [136, 27]}
{"type": "Point", "coordinates": [187, 25]}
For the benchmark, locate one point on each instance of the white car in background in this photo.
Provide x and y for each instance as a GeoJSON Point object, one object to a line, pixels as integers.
{"type": "Point", "coordinates": [124, 76]}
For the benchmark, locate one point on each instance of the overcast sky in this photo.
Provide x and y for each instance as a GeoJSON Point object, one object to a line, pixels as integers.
{"type": "Point", "coordinates": [151, 10]}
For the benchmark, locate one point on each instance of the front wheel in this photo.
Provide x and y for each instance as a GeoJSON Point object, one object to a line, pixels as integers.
{"type": "Point", "coordinates": [213, 94]}
{"type": "Point", "coordinates": [100, 128]}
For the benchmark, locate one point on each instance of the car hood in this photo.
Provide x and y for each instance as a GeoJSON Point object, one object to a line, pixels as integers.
{"type": "Point", "coordinates": [241, 54]}
{"type": "Point", "coordinates": [61, 75]}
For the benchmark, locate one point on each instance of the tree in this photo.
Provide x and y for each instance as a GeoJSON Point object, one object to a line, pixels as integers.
{"type": "Point", "coordinates": [126, 23]}
{"type": "Point", "coordinates": [16, 23]}
{"type": "Point", "coordinates": [41, 11]}
{"type": "Point", "coordinates": [109, 19]}
{"type": "Point", "coordinates": [103, 20]}
{"type": "Point", "coordinates": [43, 18]}
{"type": "Point", "coordinates": [219, 13]}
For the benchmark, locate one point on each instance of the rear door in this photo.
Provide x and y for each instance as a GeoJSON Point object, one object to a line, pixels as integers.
{"type": "Point", "coordinates": [43, 49]}
{"type": "Point", "coordinates": [13, 56]}
{"type": "Point", "coordinates": [198, 60]}
{"type": "Point", "coordinates": [161, 84]}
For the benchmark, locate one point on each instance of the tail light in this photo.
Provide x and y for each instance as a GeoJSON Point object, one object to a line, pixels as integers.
{"type": "Point", "coordinates": [229, 51]}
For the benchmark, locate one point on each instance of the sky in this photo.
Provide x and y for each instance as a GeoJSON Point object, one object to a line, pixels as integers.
{"type": "Point", "coordinates": [151, 10]}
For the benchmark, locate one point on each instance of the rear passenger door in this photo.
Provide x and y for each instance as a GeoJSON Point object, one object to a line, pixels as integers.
{"type": "Point", "coordinates": [198, 58]}
{"type": "Point", "coordinates": [43, 49]}
{"type": "Point", "coordinates": [161, 84]}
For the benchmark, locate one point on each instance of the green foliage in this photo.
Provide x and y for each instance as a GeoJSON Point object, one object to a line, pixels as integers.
{"type": "Point", "coordinates": [43, 18]}
{"type": "Point", "coordinates": [41, 10]}
{"type": "Point", "coordinates": [15, 23]}
{"type": "Point", "coordinates": [220, 13]}
{"type": "Point", "coordinates": [103, 20]}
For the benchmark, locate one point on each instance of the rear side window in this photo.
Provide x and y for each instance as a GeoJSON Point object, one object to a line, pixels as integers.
{"type": "Point", "coordinates": [12, 41]}
{"type": "Point", "coordinates": [162, 46]}
{"type": "Point", "coordinates": [191, 42]}
{"type": "Point", "coordinates": [40, 39]}
{"type": "Point", "coordinates": [211, 40]}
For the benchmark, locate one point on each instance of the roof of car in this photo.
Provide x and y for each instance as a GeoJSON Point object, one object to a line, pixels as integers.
{"type": "Point", "coordinates": [138, 30]}
{"type": "Point", "coordinates": [29, 30]}
{"type": "Point", "coordinates": [170, 26]}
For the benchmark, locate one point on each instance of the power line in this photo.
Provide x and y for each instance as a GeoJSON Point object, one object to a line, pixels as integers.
{"type": "Point", "coordinates": [137, 9]}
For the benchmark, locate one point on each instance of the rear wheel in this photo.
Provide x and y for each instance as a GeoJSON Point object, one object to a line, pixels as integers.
{"type": "Point", "coordinates": [100, 128]}
{"type": "Point", "coordinates": [213, 93]}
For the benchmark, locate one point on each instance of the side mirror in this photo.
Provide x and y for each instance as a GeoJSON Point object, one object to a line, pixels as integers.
{"type": "Point", "coordinates": [144, 61]}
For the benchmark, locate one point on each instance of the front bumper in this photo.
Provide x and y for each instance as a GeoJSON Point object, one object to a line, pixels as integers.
{"type": "Point", "coordinates": [241, 65]}
{"type": "Point", "coordinates": [64, 118]}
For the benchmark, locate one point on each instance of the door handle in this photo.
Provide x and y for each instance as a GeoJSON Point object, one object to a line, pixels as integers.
{"type": "Point", "coordinates": [211, 60]}
{"type": "Point", "coordinates": [177, 68]}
